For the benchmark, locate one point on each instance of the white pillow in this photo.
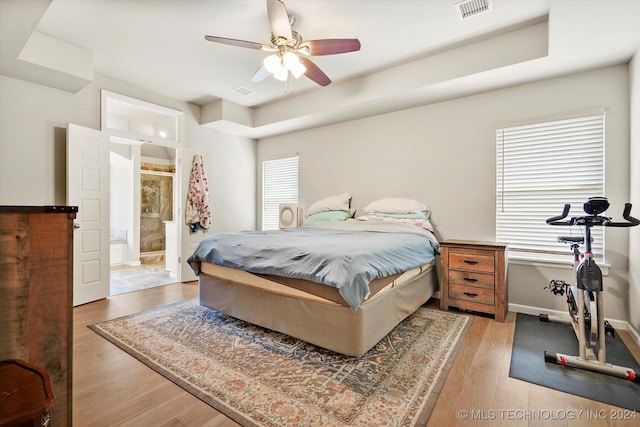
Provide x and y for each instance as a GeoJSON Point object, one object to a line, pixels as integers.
{"type": "Point", "coordinates": [334, 203]}
{"type": "Point", "coordinates": [396, 205]}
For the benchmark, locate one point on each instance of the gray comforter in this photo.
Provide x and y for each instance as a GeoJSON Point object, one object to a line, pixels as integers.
{"type": "Point", "coordinates": [346, 255]}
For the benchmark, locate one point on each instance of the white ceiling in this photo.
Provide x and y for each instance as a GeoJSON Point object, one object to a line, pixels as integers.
{"type": "Point", "coordinates": [159, 45]}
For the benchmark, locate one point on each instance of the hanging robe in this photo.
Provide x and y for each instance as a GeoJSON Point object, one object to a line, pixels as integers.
{"type": "Point", "coordinates": [197, 211]}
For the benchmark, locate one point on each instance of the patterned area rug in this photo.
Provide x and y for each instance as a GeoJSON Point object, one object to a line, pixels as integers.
{"type": "Point", "coordinates": [259, 377]}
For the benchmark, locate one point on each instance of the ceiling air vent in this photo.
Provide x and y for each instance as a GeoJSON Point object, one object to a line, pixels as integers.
{"type": "Point", "coordinates": [468, 8]}
{"type": "Point", "coordinates": [243, 91]}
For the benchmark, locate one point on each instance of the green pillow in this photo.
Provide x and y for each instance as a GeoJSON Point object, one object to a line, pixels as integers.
{"type": "Point", "coordinates": [332, 215]}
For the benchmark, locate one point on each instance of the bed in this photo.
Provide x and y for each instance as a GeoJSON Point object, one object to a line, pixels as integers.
{"type": "Point", "coordinates": [340, 285]}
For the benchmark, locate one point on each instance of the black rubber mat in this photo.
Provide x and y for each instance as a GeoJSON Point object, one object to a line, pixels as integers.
{"type": "Point", "coordinates": [533, 337]}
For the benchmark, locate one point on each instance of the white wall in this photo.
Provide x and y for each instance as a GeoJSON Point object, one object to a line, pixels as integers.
{"type": "Point", "coordinates": [634, 233]}
{"type": "Point", "coordinates": [231, 173]}
{"type": "Point", "coordinates": [444, 155]}
{"type": "Point", "coordinates": [33, 121]}
{"type": "Point", "coordinates": [121, 181]}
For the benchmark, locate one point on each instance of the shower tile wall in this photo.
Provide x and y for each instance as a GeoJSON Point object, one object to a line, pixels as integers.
{"type": "Point", "coordinates": [156, 207]}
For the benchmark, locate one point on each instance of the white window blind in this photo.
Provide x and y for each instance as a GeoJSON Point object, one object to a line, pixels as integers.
{"type": "Point", "coordinates": [279, 185]}
{"type": "Point", "coordinates": [540, 167]}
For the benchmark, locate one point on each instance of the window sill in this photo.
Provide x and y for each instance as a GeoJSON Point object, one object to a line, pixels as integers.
{"type": "Point", "coordinates": [549, 261]}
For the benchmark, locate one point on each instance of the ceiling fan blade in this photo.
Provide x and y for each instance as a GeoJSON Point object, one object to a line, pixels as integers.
{"type": "Point", "coordinates": [314, 72]}
{"type": "Point", "coordinates": [260, 74]}
{"type": "Point", "coordinates": [279, 20]}
{"type": "Point", "coordinates": [329, 46]}
{"type": "Point", "coordinates": [235, 42]}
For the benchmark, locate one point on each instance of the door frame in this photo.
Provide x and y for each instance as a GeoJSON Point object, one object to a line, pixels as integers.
{"type": "Point", "coordinates": [119, 135]}
{"type": "Point", "coordinates": [177, 192]}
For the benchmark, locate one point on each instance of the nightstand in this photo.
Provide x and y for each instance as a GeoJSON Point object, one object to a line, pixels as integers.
{"type": "Point", "coordinates": [474, 277]}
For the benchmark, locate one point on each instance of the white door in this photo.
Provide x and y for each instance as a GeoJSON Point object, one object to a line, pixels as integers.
{"type": "Point", "coordinates": [88, 188]}
{"type": "Point", "coordinates": [188, 240]}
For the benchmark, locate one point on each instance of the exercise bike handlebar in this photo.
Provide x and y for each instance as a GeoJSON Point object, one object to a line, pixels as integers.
{"type": "Point", "coordinates": [630, 221]}
{"type": "Point", "coordinates": [557, 220]}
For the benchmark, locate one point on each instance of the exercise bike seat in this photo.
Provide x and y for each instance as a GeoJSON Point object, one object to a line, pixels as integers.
{"type": "Point", "coordinates": [571, 239]}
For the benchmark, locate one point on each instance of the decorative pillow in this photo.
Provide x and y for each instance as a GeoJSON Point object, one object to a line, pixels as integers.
{"type": "Point", "coordinates": [340, 202]}
{"type": "Point", "coordinates": [421, 215]}
{"type": "Point", "coordinates": [419, 222]}
{"type": "Point", "coordinates": [331, 215]}
{"type": "Point", "coordinates": [396, 205]}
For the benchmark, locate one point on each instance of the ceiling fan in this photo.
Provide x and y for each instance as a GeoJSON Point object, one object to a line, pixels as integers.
{"type": "Point", "coordinates": [289, 51]}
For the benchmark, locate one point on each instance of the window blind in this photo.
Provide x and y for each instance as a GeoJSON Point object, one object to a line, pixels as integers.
{"type": "Point", "coordinates": [540, 167]}
{"type": "Point", "coordinates": [279, 185]}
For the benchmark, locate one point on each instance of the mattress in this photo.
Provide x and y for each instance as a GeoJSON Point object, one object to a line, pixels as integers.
{"type": "Point", "coordinates": [347, 256]}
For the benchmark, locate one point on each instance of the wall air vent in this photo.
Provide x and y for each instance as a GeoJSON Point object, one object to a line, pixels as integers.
{"type": "Point", "coordinates": [243, 91]}
{"type": "Point", "coordinates": [468, 8]}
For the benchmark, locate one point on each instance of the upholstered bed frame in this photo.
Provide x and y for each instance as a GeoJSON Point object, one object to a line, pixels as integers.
{"type": "Point", "coordinates": [310, 312]}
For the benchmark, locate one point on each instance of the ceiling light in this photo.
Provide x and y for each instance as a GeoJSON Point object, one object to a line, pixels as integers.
{"type": "Point", "coordinates": [280, 64]}
{"type": "Point", "coordinates": [298, 71]}
{"type": "Point", "coordinates": [292, 62]}
{"type": "Point", "coordinates": [290, 59]}
{"type": "Point", "coordinates": [272, 63]}
{"type": "Point", "coordinates": [281, 74]}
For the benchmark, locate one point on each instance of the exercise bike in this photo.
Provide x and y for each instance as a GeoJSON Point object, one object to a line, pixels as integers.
{"type": "Point", "coordinates": [585, 299]}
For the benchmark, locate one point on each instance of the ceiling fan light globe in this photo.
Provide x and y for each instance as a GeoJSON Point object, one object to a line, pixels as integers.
{"type": "Point", "coordinates": [290, 60]}
{"type": "Point", "coordinates": [272, 63]}
{"type": "Point", "coordinates": [298, 70]}
{"type": "Point", "coordinates": [281, 74]}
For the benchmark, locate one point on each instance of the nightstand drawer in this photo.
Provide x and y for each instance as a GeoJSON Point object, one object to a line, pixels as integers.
{"type": "Point", "coordinates": [471, 261]}
{"type": "Point", "coordinates": [471, 293]}
{"type": "Point", "coordinates": [468, 278]}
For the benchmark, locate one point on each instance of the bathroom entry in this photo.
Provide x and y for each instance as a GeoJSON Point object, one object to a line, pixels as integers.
{"type": "Point", "coordinates": [142, 215]}
{"type": "Point", "coordinates": [145, 184]}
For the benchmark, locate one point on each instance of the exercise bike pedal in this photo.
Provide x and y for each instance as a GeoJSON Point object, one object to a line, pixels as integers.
{"type": "Point", "coordinates": [557, 287]}
{"type": "Point", "coordinates": [608, 329]}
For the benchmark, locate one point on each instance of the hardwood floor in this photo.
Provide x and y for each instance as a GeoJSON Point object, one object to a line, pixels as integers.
{"type": "Point", "coordinates": [111, 388]}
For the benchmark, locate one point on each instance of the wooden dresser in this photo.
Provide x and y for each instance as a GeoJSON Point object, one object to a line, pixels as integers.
{"type": "Point", "coordinates": [36, 289]}
{"type": "Point", "coordinates": [474, 277]}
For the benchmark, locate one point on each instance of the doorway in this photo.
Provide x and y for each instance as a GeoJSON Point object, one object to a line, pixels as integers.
{"type": "Point", "coordinates": [143, 230]}
{"type": "Point", "coordinates": [146, 142]}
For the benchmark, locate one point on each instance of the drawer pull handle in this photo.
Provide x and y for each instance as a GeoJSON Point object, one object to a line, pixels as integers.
{"type": "Point", "coordinates": [470, 294]}
{"type": "Point", "coordinates": [469, 279]}
{"type": "Point", "coordinates": [468, 261]}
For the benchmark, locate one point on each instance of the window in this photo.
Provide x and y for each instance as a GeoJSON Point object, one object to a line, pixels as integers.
{"type": "Point", "coordinates": [279, 185]}
{"type": "Point", "coordinates": [540, 167]}
{"type": "Point", "coordinates": [131, 118]}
